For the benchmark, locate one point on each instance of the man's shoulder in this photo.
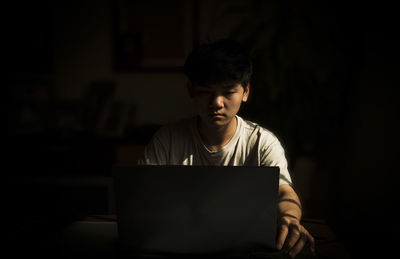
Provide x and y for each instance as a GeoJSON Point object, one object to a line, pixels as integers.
{"type": "Point", "coordinates": [251, 128]}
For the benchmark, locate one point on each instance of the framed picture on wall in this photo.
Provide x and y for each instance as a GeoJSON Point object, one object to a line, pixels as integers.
{"type": "Point", "coordinates": [152, 35]}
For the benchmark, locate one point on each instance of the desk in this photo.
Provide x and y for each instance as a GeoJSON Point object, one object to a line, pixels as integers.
{"type": "Point", "coordinates": [96, 237]}
{"type": "Point", "coordinates": [90, 239]}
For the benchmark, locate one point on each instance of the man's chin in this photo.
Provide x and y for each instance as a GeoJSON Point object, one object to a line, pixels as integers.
{"type": "Point", "coordinates": [217, 122]}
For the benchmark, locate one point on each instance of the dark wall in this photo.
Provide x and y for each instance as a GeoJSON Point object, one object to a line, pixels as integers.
{"type": "Point", "coordinates": [364, 172]}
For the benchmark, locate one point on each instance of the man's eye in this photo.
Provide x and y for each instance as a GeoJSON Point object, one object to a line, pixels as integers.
{"type": "Point", "coordinates": [229, 92]}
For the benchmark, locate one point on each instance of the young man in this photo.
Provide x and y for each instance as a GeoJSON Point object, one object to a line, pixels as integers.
{"type": "Point", "coordinates": [219, 82]}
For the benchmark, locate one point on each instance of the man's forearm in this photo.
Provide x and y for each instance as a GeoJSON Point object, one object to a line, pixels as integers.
{"type": "Point", "coordinates": [289, 202]}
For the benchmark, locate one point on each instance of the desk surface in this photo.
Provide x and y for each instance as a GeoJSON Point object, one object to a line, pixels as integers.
{"type": "Point", "coordinates": [327, 244]}
{"type": "Point", "coordinates": [96, 237]}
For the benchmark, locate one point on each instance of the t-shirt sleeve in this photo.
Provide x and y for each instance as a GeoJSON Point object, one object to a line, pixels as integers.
{"type": "Point", "coordinates": [156, 151]}
{"type": "Point", "coordinates": [273, 154]}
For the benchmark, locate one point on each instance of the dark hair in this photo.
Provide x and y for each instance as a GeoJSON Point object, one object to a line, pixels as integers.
{"type": "Point", "coordinates": [221, 62]}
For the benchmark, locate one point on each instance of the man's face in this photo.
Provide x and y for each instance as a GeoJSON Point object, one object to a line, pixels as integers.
{"type": "Point", "coordinates": [218, 104]}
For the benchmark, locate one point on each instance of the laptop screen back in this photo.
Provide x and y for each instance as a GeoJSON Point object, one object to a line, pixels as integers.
{"type": "Point", "coordinates": [196, 209]}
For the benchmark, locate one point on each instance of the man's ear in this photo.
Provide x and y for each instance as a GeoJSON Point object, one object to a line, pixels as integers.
{"type": "Point", "coordinates": [246, 93]}
{"type": "Point", "coordinates": [189, 86]}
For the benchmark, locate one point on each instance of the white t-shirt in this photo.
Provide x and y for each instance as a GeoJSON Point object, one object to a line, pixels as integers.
{"type": "Point", "coordinates": [179, 143]}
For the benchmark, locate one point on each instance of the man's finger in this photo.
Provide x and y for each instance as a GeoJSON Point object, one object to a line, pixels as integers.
{"type": "Point", "coordinates": [283, 231]}
{"type": "Point", "coordinates": [311, 241]}
{"type": "Point", "coordinates": [298, 246]}
{"type": "Point", "coordinates": [293, 236]}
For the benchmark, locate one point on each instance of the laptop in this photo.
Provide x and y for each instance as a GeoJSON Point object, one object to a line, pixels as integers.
{"type": "Point", "coordinates": [196, 210]}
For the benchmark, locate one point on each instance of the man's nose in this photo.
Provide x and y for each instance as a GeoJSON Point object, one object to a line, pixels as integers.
{"type": "Point", "coordinates": [217, 101]}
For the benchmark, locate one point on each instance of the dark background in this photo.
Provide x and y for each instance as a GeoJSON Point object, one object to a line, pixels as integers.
{"type": "Point", "coordinates": [325, 82]}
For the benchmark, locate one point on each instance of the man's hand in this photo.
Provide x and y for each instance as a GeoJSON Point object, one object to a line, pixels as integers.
{"type": "Point", "coordinates": [292, 236]}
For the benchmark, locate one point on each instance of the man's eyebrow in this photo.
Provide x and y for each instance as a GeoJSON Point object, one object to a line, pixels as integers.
{"type": "Point", "coordinates": [229, 86]}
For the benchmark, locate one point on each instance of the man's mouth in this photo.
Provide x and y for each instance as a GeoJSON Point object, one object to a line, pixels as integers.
{"type": "Point", "coordinates": [216, 115]}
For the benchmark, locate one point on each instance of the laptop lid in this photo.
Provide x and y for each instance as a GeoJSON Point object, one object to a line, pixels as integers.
{"type": "Point", "coordinates": [196, 209]}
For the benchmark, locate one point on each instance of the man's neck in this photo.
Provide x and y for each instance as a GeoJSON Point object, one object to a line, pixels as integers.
{"type": "Point", "coordinates": [216, 138]}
